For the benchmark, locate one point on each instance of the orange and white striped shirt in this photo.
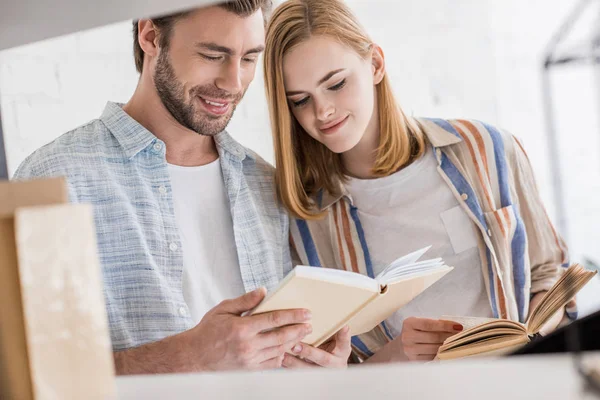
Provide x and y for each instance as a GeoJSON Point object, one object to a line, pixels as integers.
{"type": "Point", "coordinates": [490, 175]}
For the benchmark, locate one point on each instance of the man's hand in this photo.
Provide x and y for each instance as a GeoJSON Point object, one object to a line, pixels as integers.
{"type": "Point", "coordinates": [331, 354]}
{"type": "Point", "coordinates": [421, 338]}
{"type": "Point", "coordinates": [223, 340]}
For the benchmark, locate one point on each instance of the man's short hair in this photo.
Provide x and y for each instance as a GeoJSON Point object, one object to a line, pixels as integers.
{"type": "Point", "coordinates": [242, 8]}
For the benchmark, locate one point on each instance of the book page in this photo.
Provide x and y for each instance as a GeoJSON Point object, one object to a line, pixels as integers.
{"type": "Point", "coordinates": [395, 296]}
{"type": "Point", "coordinates": [492, 336]}
{"type": "Point", "coordinates": [482, 331]}
{"type": "Point", "coordinates": [467, 322]}
{"type": "Point", "coordinates": [338, 276]}
{"type": "Point", "coordinates": [571, 282]}
{"type": "Point", "coordinates": [403, 261]}
{"type": "Point", "coordinates": [495, 346]}
{"type": "Point", "coordinates": [482, 336]}
{"type": "Point", "coordinates": [402, 272]}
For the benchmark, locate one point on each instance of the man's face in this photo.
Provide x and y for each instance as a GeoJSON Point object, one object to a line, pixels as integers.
{"type": "Point", "coordinates": [210, 61]}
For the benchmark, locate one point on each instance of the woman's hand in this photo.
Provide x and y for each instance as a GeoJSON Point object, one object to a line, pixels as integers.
{"type": "Point", "coordinates": [556, 319]}
{"type": "Point", "coordinates": [421, 338]}
{"type": "Point", "coordinates": [332, 354]}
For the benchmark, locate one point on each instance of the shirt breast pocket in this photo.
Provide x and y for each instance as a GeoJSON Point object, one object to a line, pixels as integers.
{"type": "Point", "coordinates": [460, 229]}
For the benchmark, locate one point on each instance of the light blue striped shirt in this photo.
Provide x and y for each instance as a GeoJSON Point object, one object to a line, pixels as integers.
{"type": "Point", "coordinates": [120, 167]}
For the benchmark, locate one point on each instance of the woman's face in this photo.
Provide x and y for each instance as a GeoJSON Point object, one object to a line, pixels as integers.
{"type": "Point", "coordinates": [331, 91]}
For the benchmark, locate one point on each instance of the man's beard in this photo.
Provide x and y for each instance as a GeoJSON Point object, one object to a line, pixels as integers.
{"type": "Point", "coordinates": [172, 95]}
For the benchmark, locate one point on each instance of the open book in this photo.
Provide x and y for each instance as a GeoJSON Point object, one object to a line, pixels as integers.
{"type": "Point", "coordinates": [337, 298]}
{"type": "Point", "coordinates": [485, 336]}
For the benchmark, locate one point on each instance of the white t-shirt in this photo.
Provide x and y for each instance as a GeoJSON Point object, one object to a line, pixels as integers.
{"type": "Point", "coordinates": [211, 271]}
{"type": "Point", "coordinates": [412, 209]}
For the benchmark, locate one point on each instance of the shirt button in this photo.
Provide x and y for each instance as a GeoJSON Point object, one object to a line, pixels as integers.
{"type": "Point", "coordinates": [464, 196]}
{"type": "Point", "coordinates": [158, 147]}
{"type": "Point", "coordinates": [489, 232]}
{"type": "Point", "coordinates": [173, 246]}
{"type": "Point", "coordinates": [182, 311]}
{"type": "Point", "coordinates": [162, 190]}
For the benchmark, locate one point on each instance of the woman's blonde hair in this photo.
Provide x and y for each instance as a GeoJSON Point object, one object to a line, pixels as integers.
{"type": "Point", "coordinates": [304, 165]}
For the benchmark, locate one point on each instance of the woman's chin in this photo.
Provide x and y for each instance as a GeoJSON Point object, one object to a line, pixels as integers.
{"type": "Point", "coordinates": [337, 149]}
{"type": "Point", "coordinates": [340, 147]}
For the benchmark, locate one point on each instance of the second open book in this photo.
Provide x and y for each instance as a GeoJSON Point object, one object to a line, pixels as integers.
{"type": "Point", "coordinates": [485, 336]}
{"type": "Point", "coordinates": [337, 298]}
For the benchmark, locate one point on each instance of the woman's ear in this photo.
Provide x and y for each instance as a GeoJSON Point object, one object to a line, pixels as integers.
{"type": "Point", "coordinates": [378, 63]}
{"type": "Point", "coordinates": [148, 37]}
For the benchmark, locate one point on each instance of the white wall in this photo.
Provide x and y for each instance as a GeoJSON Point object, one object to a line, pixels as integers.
{"type": "Point", "coordinates": [448, 58]}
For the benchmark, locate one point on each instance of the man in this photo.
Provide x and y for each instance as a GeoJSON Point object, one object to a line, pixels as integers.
{"type": "Point", "coordinates": [186, 217]}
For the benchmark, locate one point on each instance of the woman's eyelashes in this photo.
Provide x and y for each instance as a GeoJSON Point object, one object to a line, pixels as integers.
{"type": "Point", "coordinates": [338, 85]}
{"type": "Point", "coordinates": [334, 88]}
{"type": "Point", "coordinates": [300, 102]}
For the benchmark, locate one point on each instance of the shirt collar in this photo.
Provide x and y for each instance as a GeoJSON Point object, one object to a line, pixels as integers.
{"type": "Point", "coordinates": [225, 143]}
{"type": "Point", "coordinates": [439, 132]}
{"type": "Point", "coordinates": [324, 199]}
{"type": "Point", "coordinates": [134, 138]}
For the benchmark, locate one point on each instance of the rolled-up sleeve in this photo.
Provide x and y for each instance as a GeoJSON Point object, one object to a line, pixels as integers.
{"type": "Point", "coordinates": [548, 253]}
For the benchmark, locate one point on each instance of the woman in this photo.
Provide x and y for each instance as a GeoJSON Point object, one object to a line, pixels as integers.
{"type": "Point", "coordinates": [368, 184]}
